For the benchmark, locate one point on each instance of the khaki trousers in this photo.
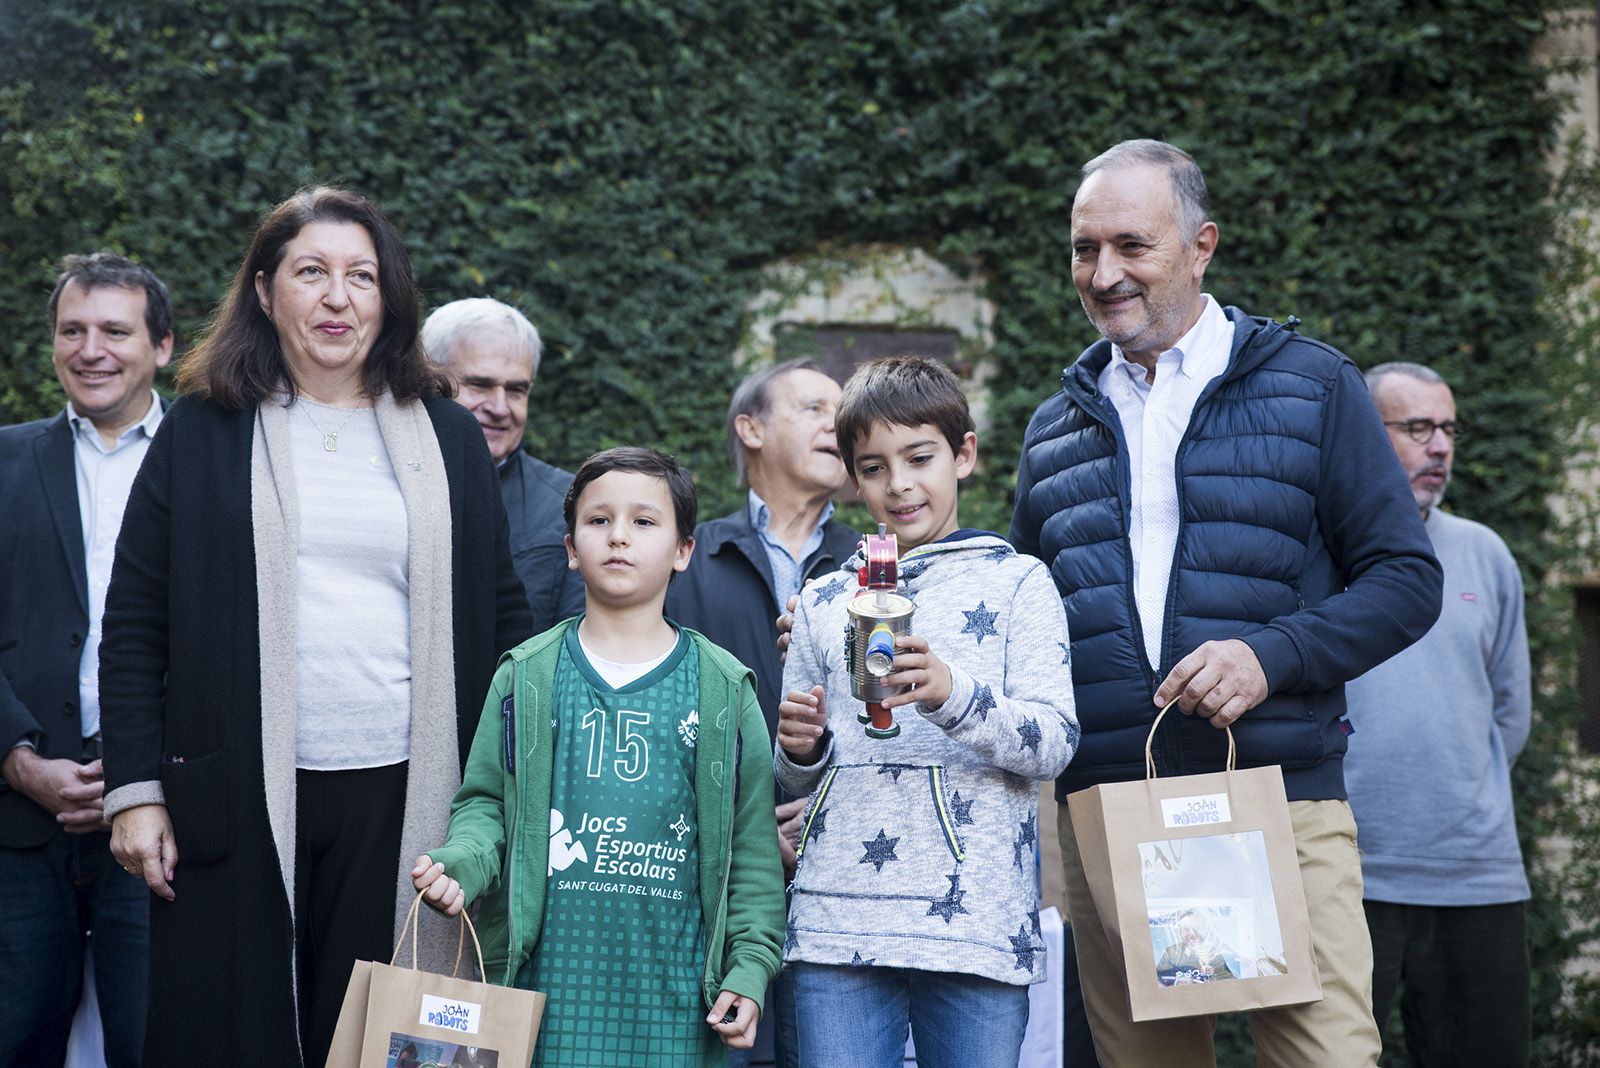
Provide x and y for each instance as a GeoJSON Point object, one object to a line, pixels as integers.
{"type": "Point", "coordinates": [1336, 1032]}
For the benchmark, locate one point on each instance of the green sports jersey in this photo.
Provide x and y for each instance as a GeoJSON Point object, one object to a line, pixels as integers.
{"type": "Point", "coordinates": [622, 948]}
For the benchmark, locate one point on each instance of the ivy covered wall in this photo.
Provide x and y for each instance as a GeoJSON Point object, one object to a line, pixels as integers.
{"type": "Point", "coordinates": [624, 170]}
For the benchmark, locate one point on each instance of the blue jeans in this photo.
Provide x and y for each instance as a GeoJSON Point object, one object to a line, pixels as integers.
{"type": "Point", "coordinates": [58, 897]}
{"type": "Point", "coordinates": [853, 1016]}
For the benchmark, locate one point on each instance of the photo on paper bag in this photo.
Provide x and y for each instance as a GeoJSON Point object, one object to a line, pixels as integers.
{"type": "Point", "coordinates": [409, 1051]}
{"type": "Point", "coordinates": [1194, 941]}
{"type": "Point", "coordinates": [1211, 909]}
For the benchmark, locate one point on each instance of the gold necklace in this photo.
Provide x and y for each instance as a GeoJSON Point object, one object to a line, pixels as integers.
{"type": "Point", "coordinates": [330, 438]}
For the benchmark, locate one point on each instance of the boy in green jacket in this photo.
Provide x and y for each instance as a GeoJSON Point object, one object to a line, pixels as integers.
{"type": "Point", "coordinates": [615, 816]}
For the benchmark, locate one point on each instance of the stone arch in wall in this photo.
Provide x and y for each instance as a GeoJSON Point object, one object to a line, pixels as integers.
{"type": "Point", "coordinates": [843, 306]}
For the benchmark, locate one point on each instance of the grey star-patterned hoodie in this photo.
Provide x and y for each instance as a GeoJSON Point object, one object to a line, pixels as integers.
{"type": "Point", "coordinates": [918, 850]}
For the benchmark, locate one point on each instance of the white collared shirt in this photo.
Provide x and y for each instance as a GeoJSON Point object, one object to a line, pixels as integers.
{"type": "Point", "coordinates": [1155, 416]}
{"type": "Point", "coordinates": [105, 478]}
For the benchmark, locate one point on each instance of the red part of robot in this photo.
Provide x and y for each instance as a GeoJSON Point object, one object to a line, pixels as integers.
{"type": "Point", "coordinates": [880, 718]}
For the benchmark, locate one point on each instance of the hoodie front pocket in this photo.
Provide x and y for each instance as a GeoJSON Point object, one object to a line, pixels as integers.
{"type": "Point", "coordinates": [946, 822]}
{"type": "Point", "coordinates": [878, 828]}
{"type": "Point", "coordinates": [814, 811]}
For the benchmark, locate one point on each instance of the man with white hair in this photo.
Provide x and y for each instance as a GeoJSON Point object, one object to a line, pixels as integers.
{"type": "Point", "coordinates": [1436, 730]}
{"type": "Point", "coordinates": [1229, 529]}
{"type": "Point", "coordinates": [491, 352]}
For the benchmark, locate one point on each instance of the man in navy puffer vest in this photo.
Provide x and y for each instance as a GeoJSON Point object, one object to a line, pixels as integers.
{"type": "Point", "coordinates": [1227, 523]}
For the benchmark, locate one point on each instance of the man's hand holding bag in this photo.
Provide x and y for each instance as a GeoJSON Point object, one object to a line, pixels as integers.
{"type": "Point", "coordinates": [1196, 883]}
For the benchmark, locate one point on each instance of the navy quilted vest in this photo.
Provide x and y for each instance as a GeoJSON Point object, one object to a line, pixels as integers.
{"type": "Point", "coordinates": [1250, 551]}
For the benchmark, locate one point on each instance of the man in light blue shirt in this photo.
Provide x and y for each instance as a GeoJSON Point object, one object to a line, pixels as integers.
{"type": "Point", "coordinates": [63, 485]}
{"type": "Point", "coordinates": [749, 563]}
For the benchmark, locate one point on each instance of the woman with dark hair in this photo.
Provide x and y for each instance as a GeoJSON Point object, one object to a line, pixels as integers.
{"type": "Point", "coordinates": [311, 590]}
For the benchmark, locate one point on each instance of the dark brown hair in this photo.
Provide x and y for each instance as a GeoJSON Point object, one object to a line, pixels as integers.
{"type": "Point", "coordinates": [239, 361]}
{"type": "Point", "coordinates": [680, 487]}
{"type": "Point", "coordinates": [108, 269]}
{"type": "Point", "coordinates": [903, 390]}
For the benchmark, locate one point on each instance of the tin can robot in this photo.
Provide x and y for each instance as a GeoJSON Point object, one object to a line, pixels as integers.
{"type": "Point", "coordinates": [877, 617]}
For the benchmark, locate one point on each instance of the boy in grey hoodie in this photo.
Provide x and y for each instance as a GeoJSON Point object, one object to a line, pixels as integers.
{"type": "Point", "coordinates": [916, 900]}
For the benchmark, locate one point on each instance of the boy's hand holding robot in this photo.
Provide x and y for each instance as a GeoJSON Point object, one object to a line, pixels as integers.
{"type": "Point", "coordinates": [889, 666]}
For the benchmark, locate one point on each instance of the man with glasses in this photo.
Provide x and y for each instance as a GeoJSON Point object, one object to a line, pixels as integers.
{"type": "Point", "coordinates": [1436, 729]}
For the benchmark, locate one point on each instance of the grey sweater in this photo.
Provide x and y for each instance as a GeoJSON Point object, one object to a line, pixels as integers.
{"type": "Point", "coordinates": [1436, 730]}
{"type": "Point", "coordinates": [918, 851]}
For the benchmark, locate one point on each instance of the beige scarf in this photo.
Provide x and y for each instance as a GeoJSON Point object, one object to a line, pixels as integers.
{"type": "Point", "coordinates": [433, 777]}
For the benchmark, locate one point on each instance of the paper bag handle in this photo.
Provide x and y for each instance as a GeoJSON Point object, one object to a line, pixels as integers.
{"type": "Point", "coordinates": [1149, 754]}
{"type": "Point", "coordinates": [411, 922]}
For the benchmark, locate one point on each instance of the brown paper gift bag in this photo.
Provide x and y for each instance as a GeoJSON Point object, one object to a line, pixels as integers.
{"type": "Point", "coordinates": [1196, 882]}
{"type": "Point", "coordinates": [395, 1017]}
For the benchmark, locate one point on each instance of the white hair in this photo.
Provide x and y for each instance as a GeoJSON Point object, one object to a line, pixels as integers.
{"type": "Point", "coordinates": [1375, 375]}
{"type": "Point", "coordinates": [753, 397]}
{"type": "Point", "coordinates": [452, 323]}
{"type": "Point", "coordinates": [1188, 183]}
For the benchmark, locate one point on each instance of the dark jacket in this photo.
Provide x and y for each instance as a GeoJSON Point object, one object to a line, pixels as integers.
{"type": "Point", "coordinates": [44, 610]}
{"type": "Point", "coordinates": [532, 491]}
{"type": "Point", "coordinates": [1298, 534]}
{"type": "Point", "coordinates": [180, 674]}
{"type": "Point", "coordinates": [727, 595]}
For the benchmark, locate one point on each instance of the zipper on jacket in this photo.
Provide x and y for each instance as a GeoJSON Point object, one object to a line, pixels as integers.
{"type": "Point", "coordinates": [514, 842]}
{"type": "Point", "coordinates": [719, 917]}
{"type": "Point", "coordinates": [816, 807]}
{"type": "Point", "coordinates": [814, 567]}
{"type": "Point", "coordinates": [1169, 622]}
{"type": "Point", "coordinates": [1113, 423]}
{"type": "Point", "coordinates": [936, 781]}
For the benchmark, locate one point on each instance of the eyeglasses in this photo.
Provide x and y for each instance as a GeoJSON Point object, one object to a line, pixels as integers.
{"type": "Point", "coordinates": [1421, 430]}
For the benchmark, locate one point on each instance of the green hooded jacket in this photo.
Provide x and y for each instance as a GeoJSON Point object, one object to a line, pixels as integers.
{"type": "Point", "coordinates": [741, 878]}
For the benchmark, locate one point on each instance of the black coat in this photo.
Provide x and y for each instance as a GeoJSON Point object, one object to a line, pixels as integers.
{"type": "Point", "coordinates": [180, 677]}
{"type": "Point", "coordinates": [44, 610]}
{"type": "Point", "coordinates": [533, 491]}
